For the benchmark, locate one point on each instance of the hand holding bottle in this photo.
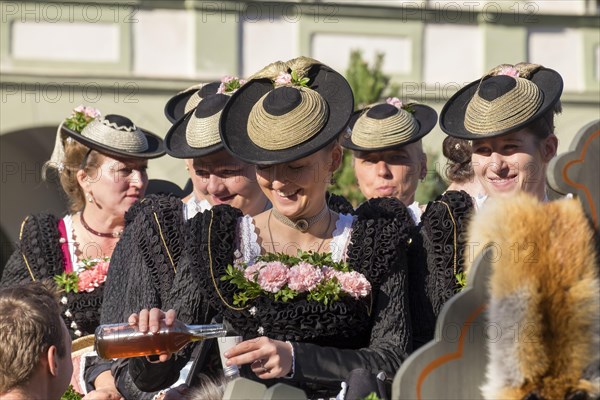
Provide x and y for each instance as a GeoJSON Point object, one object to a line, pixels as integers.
{"type": "Point", "coordinates": [151, 333]}
{"type": "Point", "coordinates": [150, 321]}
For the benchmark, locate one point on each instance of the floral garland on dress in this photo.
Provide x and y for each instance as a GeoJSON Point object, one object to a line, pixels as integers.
{"type": "Point", "coordinates": [285, 278]}
{"type": "Point", "coordinates": [93, 274]}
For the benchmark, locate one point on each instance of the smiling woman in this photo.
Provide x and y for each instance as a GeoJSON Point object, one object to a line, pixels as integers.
{"type": "Point", "coordinates": [308, 318]}
{"type": "Point", "coordinates": [101, 162]}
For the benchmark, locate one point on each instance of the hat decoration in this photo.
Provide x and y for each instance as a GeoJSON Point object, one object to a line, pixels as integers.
{"type": "Point", "coordinates": [269, 126]}
{"type": "Point", "coordinates": [115, 135]}
{"type": "Point", "coordinates": [388, 125]}
{"type": "Point", "coordinates": [196, 133]}
{"type": "Point", "coordinates": [80, 117]}
{"type": "Point", "coordinates": [506, 99]}
{"type": "Point", "coordinates": [286, 111]}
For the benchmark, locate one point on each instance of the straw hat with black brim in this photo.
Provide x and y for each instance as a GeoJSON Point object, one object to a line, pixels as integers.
{"type": "Point", "coordinates": [187, 100]}
{"type": "Point", "coordinates": [117, 136]}
{"type": "Point", "coordinates": [197, 133]}
{"type": "Point", "coordinates": [501, 103]}
{"type": "Point", "coordinates": [385, 127]}
{"type": "Point", "coordinates": [264, 124]}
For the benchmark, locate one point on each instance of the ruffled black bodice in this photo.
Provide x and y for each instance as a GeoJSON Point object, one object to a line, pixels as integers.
{"type": "Point", "coordinates": [144, 262]}
{"type": "Point", "coordinates": [379, 237]}
{"type": "Point", "coordinates": [40, 246]}
{"type": "Point", "coordinates": [443, 231]}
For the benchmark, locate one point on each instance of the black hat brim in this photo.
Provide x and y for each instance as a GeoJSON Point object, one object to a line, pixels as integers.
{"type": "Point", "coordinates": [177, 145]}
{"type": "Point", "coordinates": [175, 107]}
{"type": "Point", "coordinates": [334, 89]}
{"type": "Point", "coordinates": [155, 148]}
{"type": "Point", "coordinates": [426, 118]}
{"type": "Point", "coordinates": [452, 117]}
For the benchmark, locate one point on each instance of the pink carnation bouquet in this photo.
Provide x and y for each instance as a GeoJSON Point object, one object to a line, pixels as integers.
{"type": "Point", "coordinates": [284, 278]}
{"type": "Point", "coordinates": [92, 275]}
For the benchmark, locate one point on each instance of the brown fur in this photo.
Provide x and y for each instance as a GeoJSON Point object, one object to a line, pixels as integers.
{"type": "Point", "coordinates": [545, 267]}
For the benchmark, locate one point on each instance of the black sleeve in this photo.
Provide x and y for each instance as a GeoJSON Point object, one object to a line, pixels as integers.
{"type": "Point", "coordinates": [443, 230]}
{"type": "Point", "coordinates": [39, 245]}
{"type": "Point", "coordinates": [143, 264]}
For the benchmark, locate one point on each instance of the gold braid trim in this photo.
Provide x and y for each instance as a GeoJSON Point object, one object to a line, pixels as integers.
{"type": "Point", "coordinates": [164, 242]}
{"type": "Point", "coordinates": [23, 254]}
{"type": "Point", "coordinates": [212, 273]}
{"type": "Point", "coordinates": [455, 233]}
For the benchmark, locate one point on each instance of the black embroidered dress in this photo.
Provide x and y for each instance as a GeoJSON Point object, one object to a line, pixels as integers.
{"type": "Point", "coordinates": [329, 341]}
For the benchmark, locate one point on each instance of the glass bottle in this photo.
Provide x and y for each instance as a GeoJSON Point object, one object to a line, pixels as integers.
{"type": "Point", "coordinates": [124, 340]}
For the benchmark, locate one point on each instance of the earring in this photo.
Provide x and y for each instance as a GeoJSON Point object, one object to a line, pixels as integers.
{"type": "Point", "coordinates": [89, 197]}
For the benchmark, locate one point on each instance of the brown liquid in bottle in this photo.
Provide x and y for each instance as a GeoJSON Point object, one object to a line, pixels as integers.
{"type": "Point", "coordinates": [139, 344]}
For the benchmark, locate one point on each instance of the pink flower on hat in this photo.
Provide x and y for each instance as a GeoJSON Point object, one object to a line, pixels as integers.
{"type": "Point", "coordinates": [283, 79]}
{"type": "Point", "coordinates": [304, 277]}
{"type": "Point", "coordinates": [229, 84]}
{"type": "Point", "coordinates": [273, 276]}
{"type": "Point", "coordinates": [509, 71]}
{"type": "Point", "coordinates": [91, 112]}
{"type": "Point", "coordinates": [394, 101]}
{"type": "Point", "coordinates": [355, 284]}
{"type": "Point", "coordinates": [80, 108]}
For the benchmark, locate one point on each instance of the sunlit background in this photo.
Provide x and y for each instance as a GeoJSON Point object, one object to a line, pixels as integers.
{"type": "Point", "coordinates": [129, 57]}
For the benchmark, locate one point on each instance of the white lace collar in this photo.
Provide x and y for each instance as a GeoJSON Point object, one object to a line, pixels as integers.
{"type": "Point", "coordinates": [248, 248]}
{"type": "Point", "coordinates": [193, 207]}
{"type": "Point", "coordinates": [415, 212]}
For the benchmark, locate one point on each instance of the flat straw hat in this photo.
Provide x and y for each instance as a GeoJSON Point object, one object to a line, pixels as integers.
{"type": "Point", "coordinates": [389, 125]}
{"type": "Point", "coordinates": [506, 99]}
{"type": "Point", "coordinates": [287, 111]}
{"type": "Point", "coordinates": [197, 133]}
{"type": "Point", "coordinates": [115, 135]}
{"type": "Point", "coordinates": [185, 101]}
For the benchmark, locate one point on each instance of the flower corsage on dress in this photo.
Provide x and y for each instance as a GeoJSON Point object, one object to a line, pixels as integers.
{"type": "Point", "coordinates": [297, 297]}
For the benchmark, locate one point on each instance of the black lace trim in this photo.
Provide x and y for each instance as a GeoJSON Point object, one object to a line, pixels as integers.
{"type": "Point", "coordinates": [161, 261]}
{"type": "Point", "coordinates": [339, 204]}
{"type": "Point", "coordinates": [379, 227]}
{"type": "Point", "coordinates": [42, 249]}
{"type": "Point", "coordinates": [438, 240]}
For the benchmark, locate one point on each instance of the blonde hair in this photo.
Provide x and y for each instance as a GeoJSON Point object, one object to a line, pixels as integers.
{"type": "Point", "coordinates": [30, 323]}
{"type": "Point", "coordinates": [73, 157]}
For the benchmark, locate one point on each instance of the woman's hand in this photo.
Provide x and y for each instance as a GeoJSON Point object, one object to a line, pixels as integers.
{"type": "Point", "coordinates": [268, 358]}
{"type": "Point", "coordinates": [149, 321]}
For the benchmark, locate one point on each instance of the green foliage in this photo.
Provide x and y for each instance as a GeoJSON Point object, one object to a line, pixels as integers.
{"type": "Point", "coordinates": [67, 281]}
{"type": "Point", "coordinates": [325, 292]}
{"type": "Point", "coordinates": [372, 396]}
{"type": "Point", "coordinates": [433, 185]}
{"type": "Point", "coordinates": [298, 80]}
{"type": "Point", "coordinates": [78, 121]}
{"type": "Point", "coordinates": [461, 279]}
{"type": "Point", "coordinates": [71, 394]}
{"type": "Point", "coordinates": [367, 83]}
{"type": "Point", "coordinates": [345, 181]}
